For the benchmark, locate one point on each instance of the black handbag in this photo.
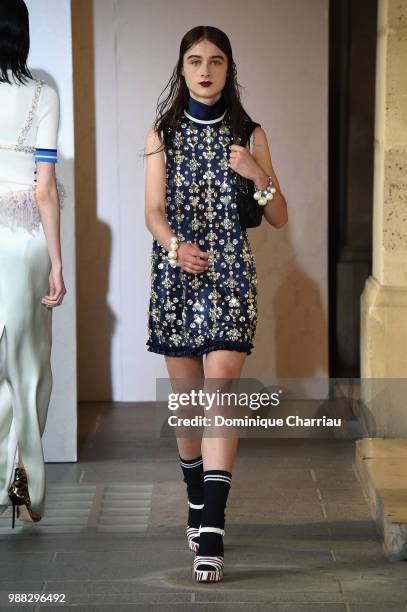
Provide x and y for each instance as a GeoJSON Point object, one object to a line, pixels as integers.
{"type": "Point", "coordinates": [250, 212]}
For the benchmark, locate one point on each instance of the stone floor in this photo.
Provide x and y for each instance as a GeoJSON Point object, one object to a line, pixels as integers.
{"type": "Point", "coordinates": [382, 467]}
{"type": "Point", "coordinates": [299, 536]}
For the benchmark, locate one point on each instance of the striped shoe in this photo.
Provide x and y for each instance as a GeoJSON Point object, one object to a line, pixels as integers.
{"type": "Point", "coordinates": [193, 538]}
{"type": "Point", "coordinates": [208, 569]}
{"type": "Point", "coordinates": [193, 532]}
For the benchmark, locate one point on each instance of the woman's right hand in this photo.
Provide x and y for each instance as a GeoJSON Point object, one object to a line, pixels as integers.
{"type": "Point", "coordinates": [191, 259]}
{"type": "Point", "coordinates": [56, 288]}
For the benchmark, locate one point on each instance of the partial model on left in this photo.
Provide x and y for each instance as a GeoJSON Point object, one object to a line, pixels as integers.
{"type": "Point", "coordinates": [31, 279]}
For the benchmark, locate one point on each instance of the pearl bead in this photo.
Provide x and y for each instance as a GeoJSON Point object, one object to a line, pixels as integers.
{"type": "Point", "coordinates": [257, 195]}
{"type": "Point", "coordinates": [269, 196]}
{"type": "Point", "coordinates": [262, 201]}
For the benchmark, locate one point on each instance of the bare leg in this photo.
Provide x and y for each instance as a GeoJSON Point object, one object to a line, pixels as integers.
{"type": "Point", "coordinates": [186, 368]}
{"type": "Point", "coordinates": [219, 453]}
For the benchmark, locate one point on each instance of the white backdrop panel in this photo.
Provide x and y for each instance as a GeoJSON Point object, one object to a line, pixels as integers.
{"type": "Point", "coordinates": [51, 59]}
{"type": "Point", "coordinates": [281, 51]}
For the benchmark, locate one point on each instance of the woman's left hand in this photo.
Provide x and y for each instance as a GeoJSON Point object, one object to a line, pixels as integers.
{"type": "Point", "coordinates": [242, 162]}
{"type": "Point", "coordinates": [56, 288]}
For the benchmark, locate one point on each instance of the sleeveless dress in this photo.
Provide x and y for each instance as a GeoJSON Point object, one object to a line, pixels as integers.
{"type": "Point", "coordinates": [29, 118]}
{"type": "Point", "coordinates": [193, 314]}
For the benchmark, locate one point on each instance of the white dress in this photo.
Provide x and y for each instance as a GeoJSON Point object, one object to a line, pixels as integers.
{"type": "Point", "coordinates": [29, 117]}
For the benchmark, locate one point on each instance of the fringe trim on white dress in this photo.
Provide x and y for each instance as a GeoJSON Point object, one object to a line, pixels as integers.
{"type": "Point", "coordinates": [19, 209]}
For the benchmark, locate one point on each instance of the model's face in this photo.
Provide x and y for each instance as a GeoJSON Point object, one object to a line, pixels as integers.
{"type": "Point", "coordinates": [205, 68]}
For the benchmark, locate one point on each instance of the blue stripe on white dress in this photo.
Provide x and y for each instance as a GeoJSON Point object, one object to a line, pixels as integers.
{"type": "Point", "coordinates": [46, 155]}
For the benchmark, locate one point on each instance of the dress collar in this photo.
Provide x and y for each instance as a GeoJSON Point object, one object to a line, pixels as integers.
{"type": "Point", "coordinates": [205, 113]}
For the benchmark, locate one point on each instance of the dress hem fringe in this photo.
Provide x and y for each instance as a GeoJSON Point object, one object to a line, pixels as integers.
{"type": "Point", "coordinates": [199, 351]}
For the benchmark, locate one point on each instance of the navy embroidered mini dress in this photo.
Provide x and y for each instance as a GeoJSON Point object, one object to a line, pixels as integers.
{"type": "Point", "coordinates": [193, 314]}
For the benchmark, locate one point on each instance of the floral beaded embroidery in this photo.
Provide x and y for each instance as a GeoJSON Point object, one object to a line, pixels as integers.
{"type": "Point", "coordinates": [192, 314]}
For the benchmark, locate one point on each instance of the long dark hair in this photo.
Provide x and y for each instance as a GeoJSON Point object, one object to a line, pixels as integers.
{"type": "Point", "coordinates": [14, 41]}
{"type": "Point", "coordinates": [171, 108]}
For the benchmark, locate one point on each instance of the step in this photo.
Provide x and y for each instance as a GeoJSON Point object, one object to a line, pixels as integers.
{"type": "Point", "coordinates": [382, 466]}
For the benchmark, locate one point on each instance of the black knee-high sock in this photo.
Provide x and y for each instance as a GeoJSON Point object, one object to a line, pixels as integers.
{"type": "Point", "coordinates": [216, 491]}
{"type": "Point", "coordinates": [193, 470]}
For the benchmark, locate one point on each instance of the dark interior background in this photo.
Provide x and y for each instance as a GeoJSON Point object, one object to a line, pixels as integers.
{"type": "Point", "coordinates": [352, 66]}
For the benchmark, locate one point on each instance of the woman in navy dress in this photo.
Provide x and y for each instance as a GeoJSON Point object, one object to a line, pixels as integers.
{"type": "Point", "coordinates": [203, 293]}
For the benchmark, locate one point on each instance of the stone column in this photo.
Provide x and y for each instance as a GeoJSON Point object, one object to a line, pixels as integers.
{"type": "Point", "coordinates": [384, 299]}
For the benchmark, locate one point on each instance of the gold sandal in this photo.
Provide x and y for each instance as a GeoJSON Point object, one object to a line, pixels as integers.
{"type": "Point", "coordinates": [19, 496]}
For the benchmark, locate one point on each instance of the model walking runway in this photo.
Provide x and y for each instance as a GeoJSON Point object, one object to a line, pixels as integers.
{"type": "Point", "coordinates": [204, 187]}
{"type": "Point", "coordinates": [31, 280]}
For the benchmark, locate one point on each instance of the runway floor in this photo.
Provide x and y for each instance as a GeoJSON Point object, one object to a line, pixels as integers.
{"type": "Point", "coordinates": [299, 534]}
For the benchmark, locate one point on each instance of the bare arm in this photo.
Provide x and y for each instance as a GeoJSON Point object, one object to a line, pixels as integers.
{"type": "Point", "coordinates": [256, 166]}
{"type": "Point", "coordinates": [48, 204]}
{"type": "Point", "coordinates": [190, 257]}
{"type": "Point", "coordinates": [276, 209]}
{"type": "Point", "coordinates": [155, 192]}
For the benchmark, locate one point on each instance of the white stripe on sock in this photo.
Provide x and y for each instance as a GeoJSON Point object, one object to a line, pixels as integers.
{"type": "Point", "coordinates": [195, 506]}
{"type": "Point", "coordinates": [212, 530]}
{"type": "Point", "coordinates": [191, 465]}
{"type": "Point", "coordinates": [218, 479]}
